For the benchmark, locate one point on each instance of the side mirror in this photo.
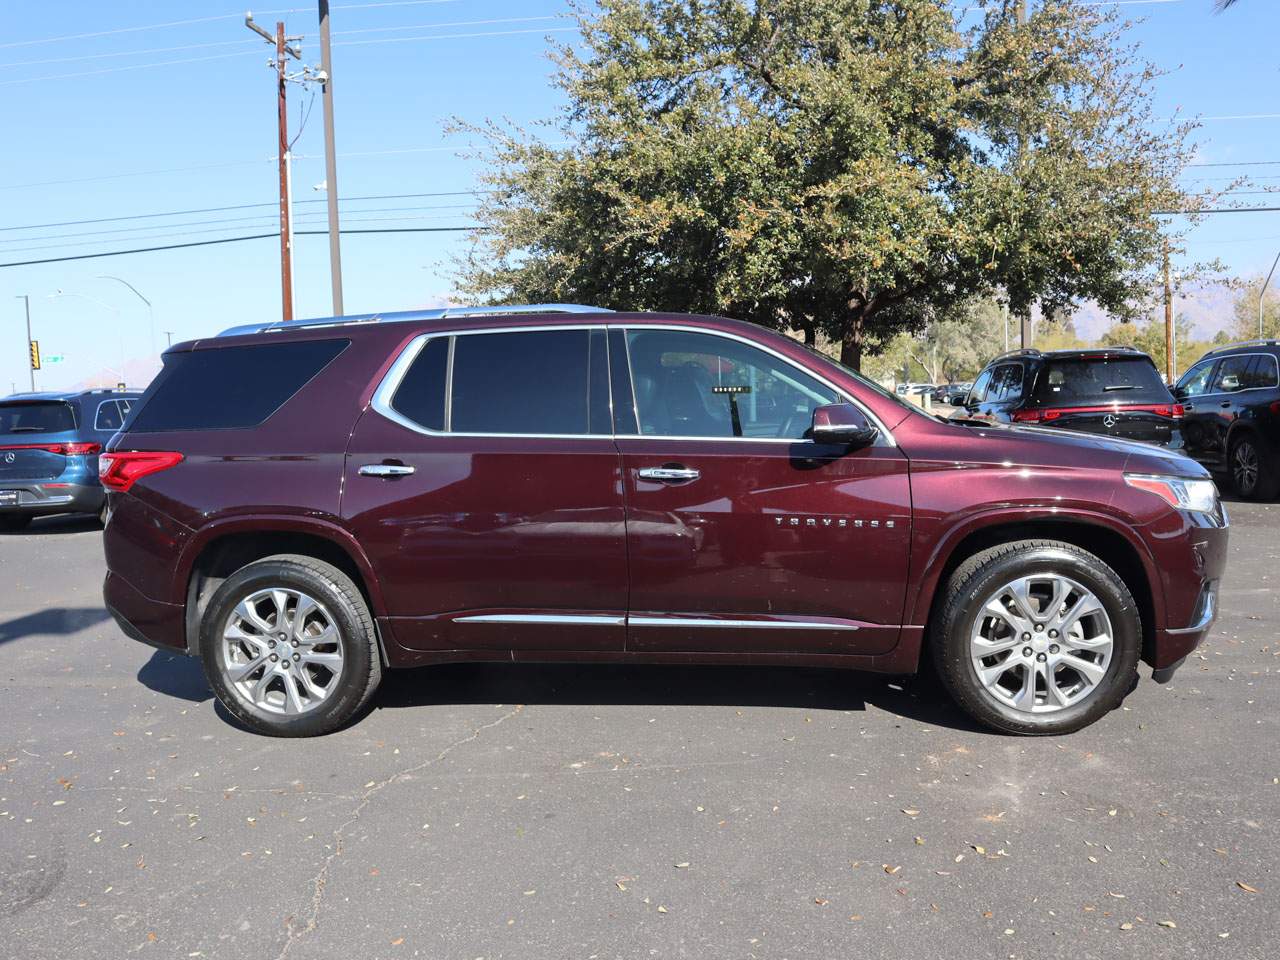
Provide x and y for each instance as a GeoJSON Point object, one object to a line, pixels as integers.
{"type": "Point", "coordinates": [842, 423]}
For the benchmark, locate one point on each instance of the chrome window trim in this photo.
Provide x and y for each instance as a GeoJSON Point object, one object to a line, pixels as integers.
{"type": "Point", "coordinates": [1231, 393]}
{"type": "Point", "coordinates": [643, 621]}
{"type": "Point", "coordinates": [98, 412]}
{"type": "Point", "coordinates": [382, 396]}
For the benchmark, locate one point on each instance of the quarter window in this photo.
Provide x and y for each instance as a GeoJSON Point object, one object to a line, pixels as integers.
{"type": "Point", "coordinates": [1006, 382]}
{"type": "Point", "coordinates": [109, 416]}
{"type": "Point", "coordinates": [1262, 373]}
{"type": "Point", "coordinates": [1232, 373]}
{"type": "Point", "coordinates": [690, 384]}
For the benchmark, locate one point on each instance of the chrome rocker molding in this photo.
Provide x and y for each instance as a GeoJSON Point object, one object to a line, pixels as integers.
{"type": "Point", "coordinates": [591, 620]}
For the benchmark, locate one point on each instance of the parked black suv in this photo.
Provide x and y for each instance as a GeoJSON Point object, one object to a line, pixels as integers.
{"type": "Point", "coordinates": [1232, 419]}
{"type": "Point", "coordinates": [1114, 391]}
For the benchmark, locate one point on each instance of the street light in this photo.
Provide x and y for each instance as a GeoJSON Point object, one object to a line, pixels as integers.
{"type": "Point", "coordinates": [1263, 292]}
{"type": "Point", "coordinates": [151, 313]}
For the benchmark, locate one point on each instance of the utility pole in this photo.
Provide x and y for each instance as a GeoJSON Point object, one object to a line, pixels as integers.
{"type": "Point", "coordinates": [282, 52]}
{"type": "Point", "coordinates": [30, 367]}
{"type": "Point", "coordinates": [151, 313]}
{"type": "Point", "coordinates": [1168, 318]}
{"type": "Point", "coordinates": [1263, 292]}
{"type": "Point", "coordinates": [330, 162]}
{"type": "Point", "coordinates": [1026, 317]}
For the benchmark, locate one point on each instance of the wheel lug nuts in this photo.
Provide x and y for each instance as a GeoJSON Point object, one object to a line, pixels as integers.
{"type": "Point", "coordinates": [297, 657]}
{"type": "Point", "coordinates": [1053, 648]}
{"type": "Point", "coordinates": [1039, 627]}
{"type": "Point", "coordinates": [295, 643]}
{"type": "Point", "coordinates": [1026, 636]}
{"type": "Point", "coordinates": [1053, 634]}
{"type": "Point", "coordinates": [1041, 657]}
{"type": "Point", "coordinates": [271, 644]}
{"type": "Point", "coordinates": [1026, 651]}
{"type": "Point", "coordinates": [274, 658]}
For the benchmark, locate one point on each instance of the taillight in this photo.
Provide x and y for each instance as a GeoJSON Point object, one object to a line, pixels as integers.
{"type": "Point", "coordinates": [1165, 410]}
{"type": "Point", "coordinates": [66, 449]}
{"type": "Point", "coordinates": [122, 469]}
{"type": "Point", "coordinates": [1026, 416]}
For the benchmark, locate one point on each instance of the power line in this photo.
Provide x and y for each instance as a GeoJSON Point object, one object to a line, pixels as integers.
{"type": "Point", "coordinates": [1238, 163]}
{"type": "Point", "coordinates": [243, 206]}
{"type": "Point", "coordinates": [208, 243]}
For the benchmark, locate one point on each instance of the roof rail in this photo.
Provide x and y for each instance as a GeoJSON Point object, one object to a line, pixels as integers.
{"type": "Point", "coordinates": [1024, 352]}
{"type": "Point", "coordinates": [408, 315]}
{"type": "Point", "coordinates": [1267, 342]}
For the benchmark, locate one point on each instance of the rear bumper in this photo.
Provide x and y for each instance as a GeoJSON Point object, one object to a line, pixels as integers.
{"type": "Point", "coordinates": [143, 619]}
{"type": "Point", "coordinates": [38, 498]}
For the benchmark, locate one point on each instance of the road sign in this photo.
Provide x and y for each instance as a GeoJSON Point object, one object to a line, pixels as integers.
{"type": "Point", "coordinates": [56, 358]}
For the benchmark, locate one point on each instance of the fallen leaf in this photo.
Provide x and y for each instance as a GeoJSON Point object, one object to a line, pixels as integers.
{"type": "Point", "coordinates": [911, 813]}
{"type": "Point", "coordinates": [662, 909]}
{"type": "Point", "coordinates": [978, 849]}
{"type": "Point", "coordinates": [397, 941]}
{"type": "Point", "coordinates": [682, 866]}
{"type": "Point", "coordinates": [891, 870]}
{"type": "Point", "coordinates": [1245, 887]}
{"type": "Point", "coordinates": [621, 886]}
{"type": "Point", "coordinates": [1167, 923]}
{"type": "Point", "coordinates": [1126, 926]}
{"type": "Point", "coordinates": [820, 901]}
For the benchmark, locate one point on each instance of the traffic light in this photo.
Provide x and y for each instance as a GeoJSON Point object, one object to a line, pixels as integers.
{"type": "Point", "coordinates": [35, 354]}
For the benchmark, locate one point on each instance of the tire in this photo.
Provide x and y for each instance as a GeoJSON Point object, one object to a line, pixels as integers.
{"type": "Point", "coordinates": [1253, 467]}
{"type": "Point", "coordinates": [1078, 697]}
{"type": "Point", "coordinates": [281, 697]}
{"type": "Point", "coordinates": [14, 522]}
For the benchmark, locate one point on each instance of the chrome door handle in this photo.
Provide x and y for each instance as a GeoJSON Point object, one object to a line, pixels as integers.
{"type": "Point", "coordinates": [385, 470]}
{"type": "Point", "coordinates": [669, 474]}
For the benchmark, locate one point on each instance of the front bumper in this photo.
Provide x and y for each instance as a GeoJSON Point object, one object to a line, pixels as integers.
{"type": "Point", "coordinates": [1175, 644]}
{"type": "Point", "coordinates": [38, 499]}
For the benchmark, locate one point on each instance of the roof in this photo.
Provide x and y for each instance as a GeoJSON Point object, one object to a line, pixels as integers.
{"type": "Point", "coordinates": [71, 394]}
{"type": "Point", "coordinates": [410, 315]}
{"type": "Point", "coordinates": [1242, 345]}
{"type": "Point", "coordinates": [1032, 353]}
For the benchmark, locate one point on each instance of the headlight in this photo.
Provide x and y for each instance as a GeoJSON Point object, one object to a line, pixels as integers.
{"type": "Point", "coordinates": [1200, 496]}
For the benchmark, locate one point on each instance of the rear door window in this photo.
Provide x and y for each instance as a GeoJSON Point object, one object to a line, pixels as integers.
{"type": "Point", "coordinates": [1233, 373]}
{"type": "Point", "coordinates": [21, 418]}
{"type": "Point", "coordinates": [229, 387]}
{"type": "Point", "coordinates": [525, 382]}
{"type": "Point", "coordinates": [1098, 380]}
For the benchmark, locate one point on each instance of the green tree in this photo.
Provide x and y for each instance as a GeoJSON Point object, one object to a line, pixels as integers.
{"type": "Point", "coordinates": [846, 168]}
{"type": "Point", "coordinates": [1245, 312]}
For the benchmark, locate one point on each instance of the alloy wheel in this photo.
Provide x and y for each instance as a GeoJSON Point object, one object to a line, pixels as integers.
{"type": "Point", "coordinates": [1041, 643]}
{"type": "Point", "coordinates": [1244, 467]}
{"type": "Point", "coordinates": [281, 651]}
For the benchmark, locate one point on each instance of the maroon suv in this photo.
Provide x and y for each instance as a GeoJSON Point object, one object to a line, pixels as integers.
{"type": "Point", "coordinates": [304, 505]}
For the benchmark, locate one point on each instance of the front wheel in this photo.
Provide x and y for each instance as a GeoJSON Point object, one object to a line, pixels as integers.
{"type": "Point", "coordinates": [289, 647]}
{"type": "Point", "coordinates": [1037, 637]}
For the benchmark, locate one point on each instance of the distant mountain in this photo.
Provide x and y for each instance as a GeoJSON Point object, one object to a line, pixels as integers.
{"type": "Point", "coordinates": [1209, 306]}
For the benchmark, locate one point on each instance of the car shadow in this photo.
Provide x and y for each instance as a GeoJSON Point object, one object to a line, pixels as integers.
{"type": "Point", "coordinates": [175, 675]}
{"type": "Point", "coordinates": [55, 621]}
{"type": "Point", "coordinates": [919, 698]}
{"type": "Point", "coordinates": [61, 525]}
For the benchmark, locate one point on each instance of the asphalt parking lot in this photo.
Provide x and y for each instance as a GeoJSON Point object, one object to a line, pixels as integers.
{"type": "Point", "coordinates": [502, 811]}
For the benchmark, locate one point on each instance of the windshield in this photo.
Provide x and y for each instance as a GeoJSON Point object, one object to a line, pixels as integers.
{"type": "Point", "coordinates": [52, 417]}
{"type": "Point", "coordinates": [1100, 380]}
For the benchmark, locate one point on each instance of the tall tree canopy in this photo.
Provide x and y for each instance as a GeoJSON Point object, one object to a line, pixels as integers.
{"type": "Point", "coordinates": [849, 167]}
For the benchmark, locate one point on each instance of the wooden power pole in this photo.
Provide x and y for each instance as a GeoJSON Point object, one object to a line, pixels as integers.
{"type": "Point", "coordinates": [1168, 318]}
{"type": "Point", "coordinates": [282, 52]}
{"type": "Point", "coordinates": [1026, 317]}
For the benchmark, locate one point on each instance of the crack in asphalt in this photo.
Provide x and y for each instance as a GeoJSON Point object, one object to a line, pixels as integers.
{"type": "Point", "coordinates": [320, 881]}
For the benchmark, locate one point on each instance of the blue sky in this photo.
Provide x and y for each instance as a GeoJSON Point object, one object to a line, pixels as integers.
{"type": "Point", "coordinates": [94, 128]}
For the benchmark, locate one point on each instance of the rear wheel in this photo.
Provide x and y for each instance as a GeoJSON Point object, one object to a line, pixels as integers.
{"type": "Point", "coordinates": [13, 522]}
{"type": "Point", "coordinates": [289, 647]}
{"type": "Point", "coordinates": [1253, 469]}
{"type": "Point", "coordinates": [1037, 637]}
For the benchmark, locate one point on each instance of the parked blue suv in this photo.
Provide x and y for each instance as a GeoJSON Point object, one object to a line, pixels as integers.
{"type": "Point", "coordinates": [49, 446]}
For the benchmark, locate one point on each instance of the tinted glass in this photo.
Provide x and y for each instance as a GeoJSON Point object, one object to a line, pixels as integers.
{"type": "Point", "coordinates": [420, 396]}
{"type": "Point", "coordinates": [533, 382]}
{"type": "Point", "coordinates": [1264, 372]}
{"type": "Point", "coordinates": [229, 387]}
{"type": "Point", "coordinates": [1093, 380]}
{"type": "Point", "coordinates": [1232, 373]}
{"type": "Point", "coordinates": [1196, 380]}
{"type": "Point", "coordinates": [108, 416]}
{"type": "Point", "coordinates": [1006, 382]}
{"type": "Point", "coordinates": [703, 385]}
{"type": "Point", "coordinates": [53, 417]}
{"type": "Point", "coordinates": [980, 387]}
